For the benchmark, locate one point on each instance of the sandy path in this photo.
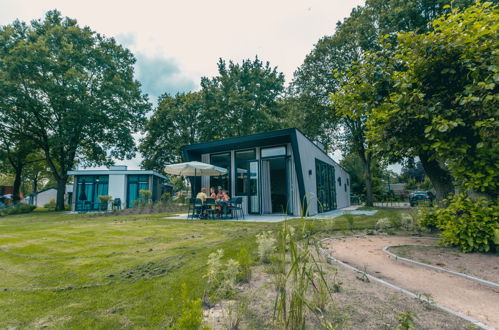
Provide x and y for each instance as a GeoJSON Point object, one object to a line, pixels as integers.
{"type": "Point", "coordinates": [457, 293]}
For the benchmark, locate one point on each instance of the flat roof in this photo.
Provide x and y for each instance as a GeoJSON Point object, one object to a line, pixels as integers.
{"type": "Point", "coordinates": [249, 141]}
{"type": "Point", "coordinates": [123, 172]}
{"type": "Point", "coordinates": [241, 142]}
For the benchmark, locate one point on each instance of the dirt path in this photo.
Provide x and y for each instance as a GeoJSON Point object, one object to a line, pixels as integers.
{"type": "Point", "coordinates": [459, 294]}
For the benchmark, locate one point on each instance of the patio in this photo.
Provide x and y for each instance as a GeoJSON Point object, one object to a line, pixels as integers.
{"type": "Point", "coordinates": [282, 217]}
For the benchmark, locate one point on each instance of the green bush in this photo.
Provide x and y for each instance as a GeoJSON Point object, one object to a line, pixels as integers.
{"type": "Point", "coordinates": [469, 223]}
{"type": "Point", "coordinates": [17, 209]}
{"type": "Point", "coordinates": [165, 197]}
{"type": "Point", "coordinates": [384, 224]}
{"type": "Point", "coordinates": [428, 218]}
{"type": "Point", "coordinates": [104, 202]}
{"type": "Point", "coordinates": [50, 206]}
{"type": "Point", "coordinates": [244, 261]}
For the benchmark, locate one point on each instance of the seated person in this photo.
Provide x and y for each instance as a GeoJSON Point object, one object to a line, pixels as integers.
{"type": "Point", "coordinates": [220, 193]}
{"type": "Point", "coordinates": [225, 196]}
{"type": "Point", "coordinates": [212, 193]}
{"type": "Point", "coordinates": [202, 195]}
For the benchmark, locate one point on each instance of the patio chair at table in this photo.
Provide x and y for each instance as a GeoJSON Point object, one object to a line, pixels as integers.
{"type": "Point", "coordinates": [210, 207]}
{"type": "Point", "coordinates": [195, 208]}
{"type": "Point", "coordinates": [236, 207]}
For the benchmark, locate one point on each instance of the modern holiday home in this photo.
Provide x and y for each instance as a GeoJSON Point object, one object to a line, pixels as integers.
{"type": "Point", "coordinates": [280, 171]}
{"type": "Point", "coordinates": [121, 184]}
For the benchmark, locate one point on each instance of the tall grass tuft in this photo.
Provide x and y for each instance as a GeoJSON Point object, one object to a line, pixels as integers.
{"type": "Point", "coordinates": [301, 288]}
{"type": "Point", "coordinates": [266, 245]}
{"type": "Point", "coordinates": [221, 278]}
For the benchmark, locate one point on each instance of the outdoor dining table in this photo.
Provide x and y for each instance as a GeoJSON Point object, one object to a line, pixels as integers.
{"type": "Point", "coordinates": [224, 207]}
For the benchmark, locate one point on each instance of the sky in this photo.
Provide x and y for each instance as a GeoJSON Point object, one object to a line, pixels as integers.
{"type": "Point", "coordinates": [178, 42]}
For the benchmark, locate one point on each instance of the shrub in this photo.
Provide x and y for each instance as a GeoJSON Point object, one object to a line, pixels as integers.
{"type": "Point", "coordinates": [428, 218]}
{"type": "Point", "coordinates": [266, 245]}
{"type": "Point", "coordinates": [17, 209]}
{"type": "Point", "coordinates": [181, 198]}
{"type": "Point", "coordinates": [406, 320]}
{"type": "Point", "coordinates": [469, 223]}
{"type": "Point", "coordinates": [384, 224]}
{"type": "Point", "coordinates": [221, 279]}
{"type": "Point", "coordinates": [146, 195]}
{"type": "Point", "coordinates": [350, 220]}
{"type": "Point", "coordinates": [165, 197]}
{"type": "Point", "coordinates": [228, 282]}
{"type": "Point", "coordinates": [244, 261]}
{"type": "Point", "coordinates": [50, 205]}
{"type": "Point", "coordinates": [396, 222]}
{"type": "Point", "coordinates": [104, 201]}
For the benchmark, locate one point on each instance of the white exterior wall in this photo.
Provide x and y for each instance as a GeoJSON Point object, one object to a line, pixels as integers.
{"type": "Point", "coordinates": [309, 152]}
{"type": "Point", "coordinates": [117, 187]}
{"type": "Point", "coordinates": [45, 197]}
{"type": "Point", "coordinates": [342, 196]}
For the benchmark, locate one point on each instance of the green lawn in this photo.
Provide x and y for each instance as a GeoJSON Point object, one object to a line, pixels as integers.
{"type": "Point", "coordinates": [76, 271]}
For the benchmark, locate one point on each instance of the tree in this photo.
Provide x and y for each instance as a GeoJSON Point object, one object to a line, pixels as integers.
{"type": "Point", "coordinates": [444, 104]}
{"type": "Point", "coordinates": [71, 92]}
{"type": "Point", "coordinates": [36, 173]}
{"type": "Point", "coordinates": [358, 33]}
{"type": "Point", "coordinates": [175, 123]}
{"type": "Point", "coordinates": [364, 86]}
{"type": "Point", "coordinates": [412, 170]}
{"type": "Point", "coordinates": [241, 100]}
{"type": "Point", "coordinates": [15, 153]}
{"type": "Point", "coordinates": [352, 164]}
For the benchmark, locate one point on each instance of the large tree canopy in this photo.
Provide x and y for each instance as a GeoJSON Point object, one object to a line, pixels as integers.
{"type": "Point", "coordinates": [71, 91]}
{"type": "Point", "coordinates": [444, 101]}
{"type": "Point", "coordinates": [358, 33]}
{"type": "Point", "coordinates": [242, 99]}
{"type": "Point", "coordinates": [175, 123]}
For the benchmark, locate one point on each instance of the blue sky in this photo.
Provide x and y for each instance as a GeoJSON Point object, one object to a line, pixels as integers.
{"type": "Point", "coordinates": [178, 42]}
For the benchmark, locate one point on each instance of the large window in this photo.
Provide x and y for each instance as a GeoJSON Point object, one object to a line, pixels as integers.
{"type": "Point", "coordinates": [88, 190]}
{"type": "Point", "coordinates": [221, 160]}
{"type": "Point", "coordinates": [243, 159]}
{"type": "Point", "coordinates": [273, 152]}
{"type": "Point", "coordinates": [326, 186]}
{"type": "Point", "coordinates": [135, 184]}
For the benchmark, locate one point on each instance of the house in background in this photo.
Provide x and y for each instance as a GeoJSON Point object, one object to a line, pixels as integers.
{"type": "Point", "coordinates": [275, 172]}
{"type": "Point", "coordinates": [117, 182]}
{"type": "Point", "coordinates": [43, 197]}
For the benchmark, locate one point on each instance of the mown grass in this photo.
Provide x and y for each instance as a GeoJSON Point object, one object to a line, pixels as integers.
{"type": "Point", "coordinates": [74, 271]}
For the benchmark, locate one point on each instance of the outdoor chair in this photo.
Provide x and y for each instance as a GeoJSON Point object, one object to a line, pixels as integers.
{"type": "Point", "coordinates": [236, 207]}
{"type": "Point", "coordinates": [117, 204]}
{"type": "Point", "coordinates": [195, 208]}
{"type": "Point", "coordinates": [210, 209]}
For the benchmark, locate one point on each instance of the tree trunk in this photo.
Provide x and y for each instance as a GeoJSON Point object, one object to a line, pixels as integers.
{"type": "Point", "coordinates": [17, 185]}
{"type": "Point", "coordinates": [440, 177]}
{"type": "Point", "coordinates": [61, 192]}
{"type": "Point", "coordinates": [366, 165]}
{"type": "Point", "coordinates": [369, 185]}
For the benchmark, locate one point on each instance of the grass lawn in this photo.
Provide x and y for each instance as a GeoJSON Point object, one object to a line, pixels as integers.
{"type": "Point", "coordinates": [74, 271]}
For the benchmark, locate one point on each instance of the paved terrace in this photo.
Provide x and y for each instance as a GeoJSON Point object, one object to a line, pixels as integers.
{"type": "Point", "coordinates": [282, 217]}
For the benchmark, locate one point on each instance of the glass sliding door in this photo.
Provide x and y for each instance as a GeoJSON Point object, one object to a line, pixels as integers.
{"type": "Point", "coordinates": [254, 198]}
{"type": "Point", "coordinates": [88, 190]}
{"type": "Point", "coordinates": [326, 186]}
{"type": "Point", "coordinates": [136, 183]}
{"type": "Point", "coordinates": [247, 178]}
{"type": "Point", "coordinates": [221, 160]}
